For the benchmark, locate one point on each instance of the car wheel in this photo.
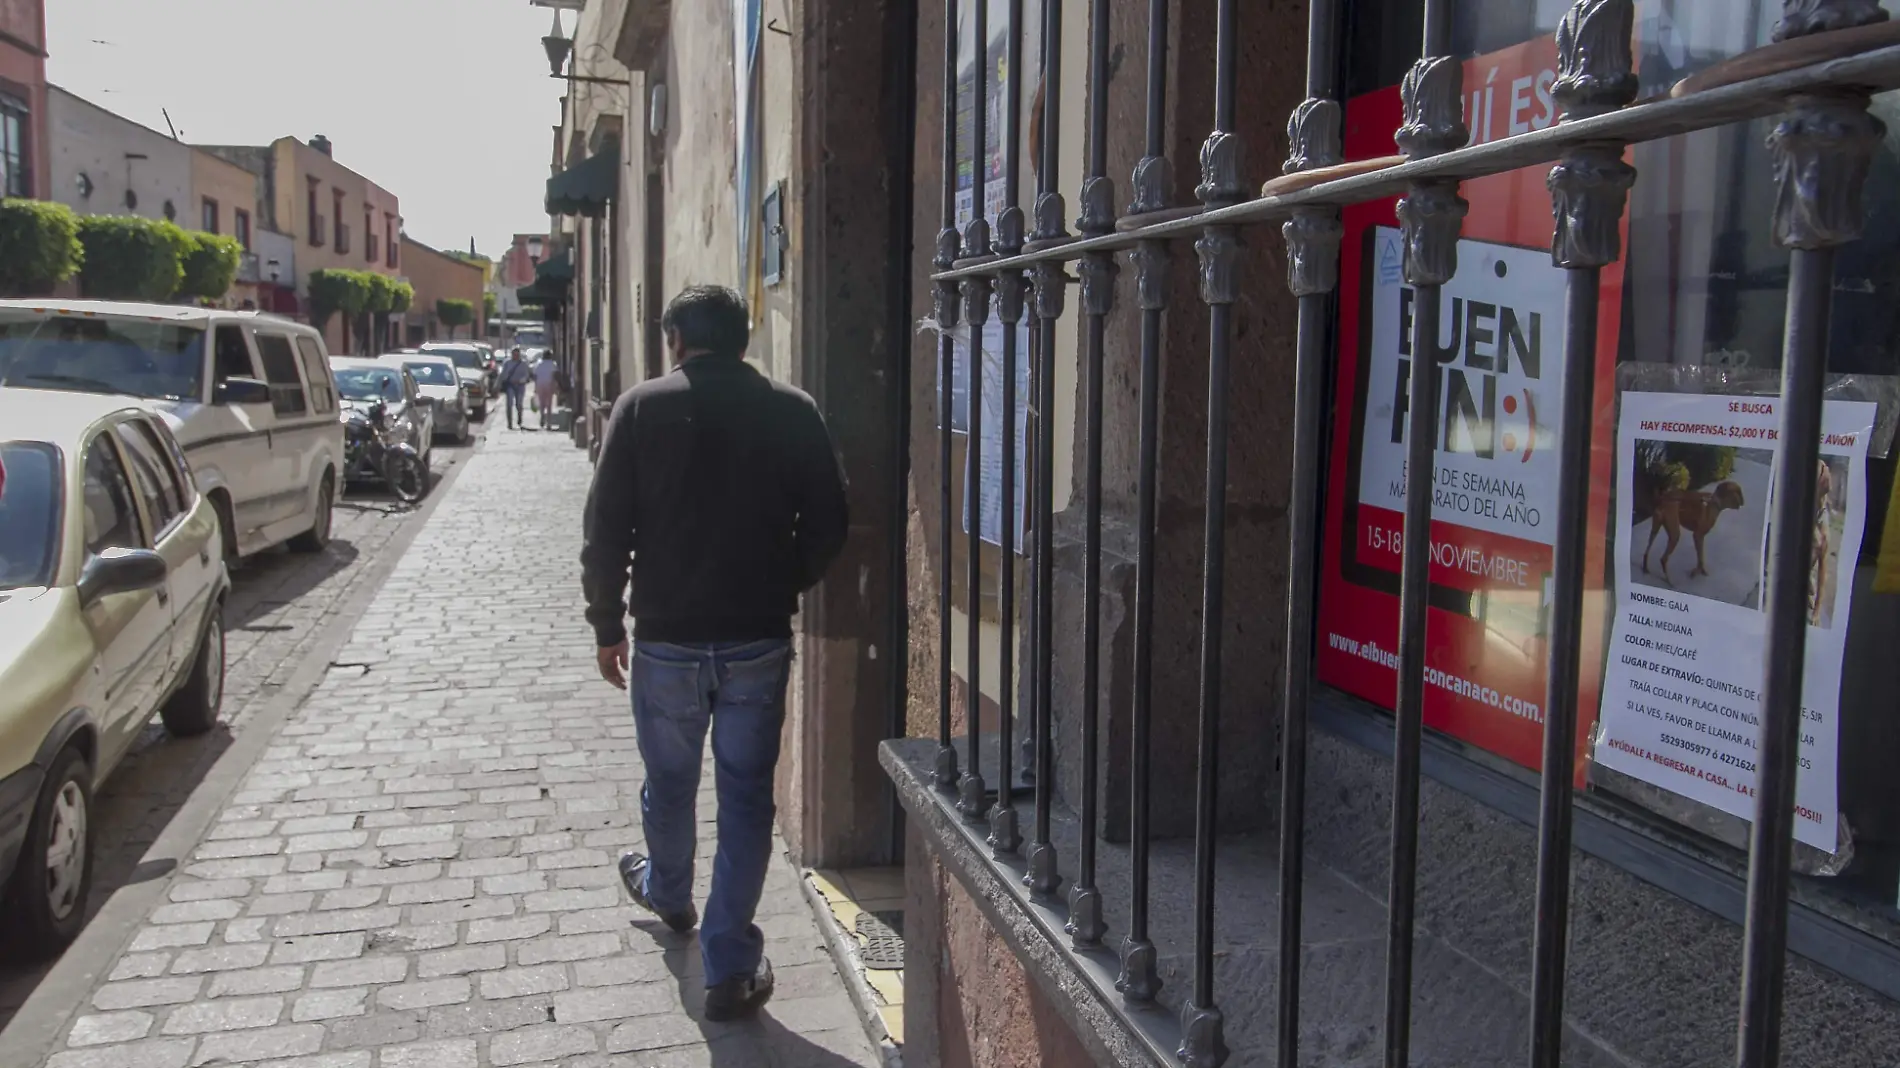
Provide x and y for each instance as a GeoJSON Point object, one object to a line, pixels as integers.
{"type": "Point", "coordinates": [317, 538]}
{"type": "Point", "coordinates": [46, 901]}
{"type": "Point", "coordinates": [194, 709]}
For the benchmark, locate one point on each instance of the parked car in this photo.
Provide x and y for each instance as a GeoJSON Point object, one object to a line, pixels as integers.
{"type": "Point", "coordinates": [442, 386]}
{"type": "Point", "coordinates": [472, 365]}
{"type": "Point", "coordinates": [248, 396]}
{"type": "Point", "coordinates": [111, 588]}
{"type": "Point", "coordinates": [364, 383]}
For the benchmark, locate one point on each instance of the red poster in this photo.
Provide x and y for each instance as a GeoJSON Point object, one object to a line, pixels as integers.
{"type": "Point", "coordinates": [1494, 503]}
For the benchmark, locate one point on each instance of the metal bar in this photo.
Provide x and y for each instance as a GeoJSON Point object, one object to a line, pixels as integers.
{"type": "Point", "coordinates": [1873, 71]}
{"type": "Point", "coordinates": [1050, 280]}
{"type": "Point", "coordinates": [944, 310]}
{"type": "Point", "coordinates": [1097, 273]}
{"type": "Point", "coordinates": [1005, 839]}
{"type": "Point", "coordinates": [1823, 148]}
{"type": "Point", "coordinates": [1312, 239]}
{"type": "Point", "coordinates": [1588, 190]}
{"type": "Point", "coordinates": [1203, 1030]}
{"type": "Point", "coordinates": [1430, 216]}
{"type": "Point", "coordinates": [971, 791]}
{"type": "Point", "coordinates": [1139, 979]}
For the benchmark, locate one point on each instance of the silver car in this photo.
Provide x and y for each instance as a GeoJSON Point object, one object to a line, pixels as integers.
{"type": "Point", "coordinates": [439, 381]}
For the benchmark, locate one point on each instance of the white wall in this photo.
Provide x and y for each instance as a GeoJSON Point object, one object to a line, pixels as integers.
{"type": "Point", "coordinates": [85, 139]}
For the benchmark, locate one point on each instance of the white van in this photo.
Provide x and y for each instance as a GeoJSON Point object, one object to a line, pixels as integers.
{"type": "Point", "coordinates": [249, 397]}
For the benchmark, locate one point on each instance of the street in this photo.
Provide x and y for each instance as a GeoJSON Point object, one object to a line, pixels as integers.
{"type": "Point", "coordinates": [412, 863]}
{"type": "Point", "coordinates": [280, 603]}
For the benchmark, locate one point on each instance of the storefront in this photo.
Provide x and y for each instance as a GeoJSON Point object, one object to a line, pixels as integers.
{"type": "Point", "coordinates": [1667, 602]}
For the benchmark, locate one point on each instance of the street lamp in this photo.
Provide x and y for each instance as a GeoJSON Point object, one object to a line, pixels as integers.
{"type": "Point", "coordinates": [560, 49]}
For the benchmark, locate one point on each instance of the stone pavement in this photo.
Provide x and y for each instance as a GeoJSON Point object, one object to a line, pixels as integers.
{"type": "Point", "coordinates": [418, 872]}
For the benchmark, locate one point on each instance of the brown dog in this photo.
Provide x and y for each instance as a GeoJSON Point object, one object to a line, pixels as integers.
{"type": "Point", "coordinates": [1694, 511]}
{"type": "Point", "coordinates": [1817, 565]}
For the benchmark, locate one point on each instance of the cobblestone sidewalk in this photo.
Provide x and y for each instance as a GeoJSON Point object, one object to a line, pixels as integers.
{"type": "Point", "coordinates": [418, 872]}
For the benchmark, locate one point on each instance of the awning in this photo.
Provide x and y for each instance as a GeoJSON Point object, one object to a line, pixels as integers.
{"type": "Point", "coordinates": [586, 188]}
{"type": "Point", "coordinates": [552, 279]}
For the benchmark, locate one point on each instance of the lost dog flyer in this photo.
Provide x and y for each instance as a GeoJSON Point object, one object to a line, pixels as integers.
{"type": "Point", "coordinates": [1681, 704]}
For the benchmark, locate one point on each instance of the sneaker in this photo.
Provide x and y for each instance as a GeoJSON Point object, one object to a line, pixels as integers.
{"type": "Point", "coordinates": [633, 872]}
{"type": "Point", "coordinates": [741, 995]}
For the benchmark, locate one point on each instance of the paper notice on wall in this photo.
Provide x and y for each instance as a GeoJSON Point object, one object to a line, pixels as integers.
{"type": "Point", "coordinates": [1501, 364]}
{"type": "Point", "coordinates": [1681, 692]}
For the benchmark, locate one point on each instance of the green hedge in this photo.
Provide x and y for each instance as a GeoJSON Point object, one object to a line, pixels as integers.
{"type": "Point", "coordinates": [129, 258]}
{"type": "Point", "coordinates": [210, 267]}
{"type": "Point", "coordinates": [43, 248]}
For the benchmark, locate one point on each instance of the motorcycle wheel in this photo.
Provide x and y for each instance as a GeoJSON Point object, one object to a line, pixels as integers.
{"type": "Point", "coordinates": [406, 479]}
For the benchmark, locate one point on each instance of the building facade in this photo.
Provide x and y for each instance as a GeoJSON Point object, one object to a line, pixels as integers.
{"type": "Point", "coordinates": [224, 196]}
{"type": "Point", "coordinates": [105, 164]}
{"type": "Point", "coordinates": [24, 162]}
{"type": "Point", "coordinates": [436, 276]}
{"type": "Point", "coordinates": [1187, 636]}
{"type": "Point", "coordinates": [336, 218]}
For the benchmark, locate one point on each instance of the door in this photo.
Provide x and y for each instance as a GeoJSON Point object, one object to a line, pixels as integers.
{"type": "Point", "coordinates": [132, 630]}
{"type": "Point", "coordinates": [293, 439]}
{"type": "Point", "coordinates": [237, 440]}
{"type": "Point", "coordinates": [182, 538]}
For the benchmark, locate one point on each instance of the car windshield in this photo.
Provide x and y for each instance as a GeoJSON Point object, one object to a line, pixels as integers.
{"type": "Point", "coordinates": [432, 374]}
{"type": "Point", "coordinates": [530, 338]}
{"type": "Point", "coordinates": [368, 383]}
{"type": "Point", "coordinates": [468, 359]}
{"type": "Point", "coordinates": [29, 513]}
{"type": "Point", "coordinates": [100, 354]}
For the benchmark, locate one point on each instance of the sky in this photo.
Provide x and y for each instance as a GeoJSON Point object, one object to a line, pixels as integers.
{"type": "Point", "coordinates": [446, 103]}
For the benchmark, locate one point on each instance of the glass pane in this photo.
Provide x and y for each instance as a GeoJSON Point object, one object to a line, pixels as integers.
{"type": "Point", "coordinates": [30, 502]}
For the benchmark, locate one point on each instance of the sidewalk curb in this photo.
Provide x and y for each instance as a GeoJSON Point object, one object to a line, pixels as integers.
{"type": "Point", "coordinates": [844, 954]}
{"type": "Point", "coordinates": [36, 1029]}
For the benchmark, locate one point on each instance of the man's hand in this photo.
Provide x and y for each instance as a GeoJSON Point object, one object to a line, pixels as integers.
{"type": "Point", "coordinates": [613, 664]}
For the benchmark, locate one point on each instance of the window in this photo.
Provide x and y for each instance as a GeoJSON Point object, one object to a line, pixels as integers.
{"type": "Point", "coordinates": [112, 522]}
{"type": "Point", "coordinates": [313, 214]}
{"type": "Point", "coordinates": [29, 514]}
{"type": "Point", "coordinates": [233, 355]}
{"type": "Point", "coordinates": [342, 244]}
{"type": "Point", "coordinates": [160, 486]}
{"type": "Point", "coordinates": [16, 162]}
{"type": "Point", "coordinates": [1695, 306]}
{"type": "Point", "coordinates": [390, 234]}
{"type": "Point", "coordinates": [43, 349]}
{"type": "Point", "coordinates": [369, 236]}
{"type": "Point", "coordinates": [316, 370]}
{"type": "Point", "coordinates": [209, 221]}
{"type": "Point", "coordinates": [241, 227]}
{"type": "Point", "coordinates": [280, 370]}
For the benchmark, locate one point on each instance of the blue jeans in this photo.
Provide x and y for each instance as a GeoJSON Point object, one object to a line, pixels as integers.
{"type": "Point", "coordinates": [738, 689]}
{"type": "Point", "coordinates": [517, 396]}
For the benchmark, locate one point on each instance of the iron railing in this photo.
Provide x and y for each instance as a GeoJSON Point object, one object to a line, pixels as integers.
{"type": "Point", "coordinates": [1821, 146]}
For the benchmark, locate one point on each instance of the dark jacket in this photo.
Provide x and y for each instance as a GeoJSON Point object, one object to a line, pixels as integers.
{"type": "Point", "coordinates": [722, 488]}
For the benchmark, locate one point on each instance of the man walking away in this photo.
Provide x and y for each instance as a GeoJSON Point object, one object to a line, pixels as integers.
{"type": "Point", "coordinates": [513, 380]}
{"type": "Point", "coordinates": [544, 371]}
{"type": "Point", "coordinates": [723, 487]}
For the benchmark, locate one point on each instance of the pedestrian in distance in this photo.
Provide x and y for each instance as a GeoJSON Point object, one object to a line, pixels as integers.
{"type": "Point", "coordinates": [512, 380]}
{"type": "Point", "coordinates": [545, 370]}
{"type": "Point", "coordinates": [723, 490]}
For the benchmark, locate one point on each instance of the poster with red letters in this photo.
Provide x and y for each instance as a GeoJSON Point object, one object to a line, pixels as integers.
{"type": "Point", "coordinates": [1500, 350]}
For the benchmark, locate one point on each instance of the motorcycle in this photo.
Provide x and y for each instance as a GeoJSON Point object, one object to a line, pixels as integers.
{"type": "Point", "coordinates": [373, 447]}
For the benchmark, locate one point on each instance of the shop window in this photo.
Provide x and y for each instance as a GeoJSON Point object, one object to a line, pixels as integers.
{"type": "Point", "coordinates": [1686, 373]}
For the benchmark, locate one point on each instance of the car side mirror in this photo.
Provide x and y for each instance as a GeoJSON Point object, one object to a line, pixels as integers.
{"type": "Point", "coordinates": [241, 391]}
{"type": "Point", "coordinates": [121, 571]}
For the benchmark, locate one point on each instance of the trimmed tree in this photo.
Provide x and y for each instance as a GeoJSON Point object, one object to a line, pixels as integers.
{"type": "Point", "coordinates": [43, 248]}
{"type": "Point", "coordinates": [129, 258]}
{"type": "Point", "coordinates": [382, 300]}
{"type": "Point", "coordinates": [454, 313]}
{"type": "Point", "coordinates": [210, 267]}
{"type": "Point", "coordinates": [488, 305]}
{"type": "Point", "coordinates": [326, 296]}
